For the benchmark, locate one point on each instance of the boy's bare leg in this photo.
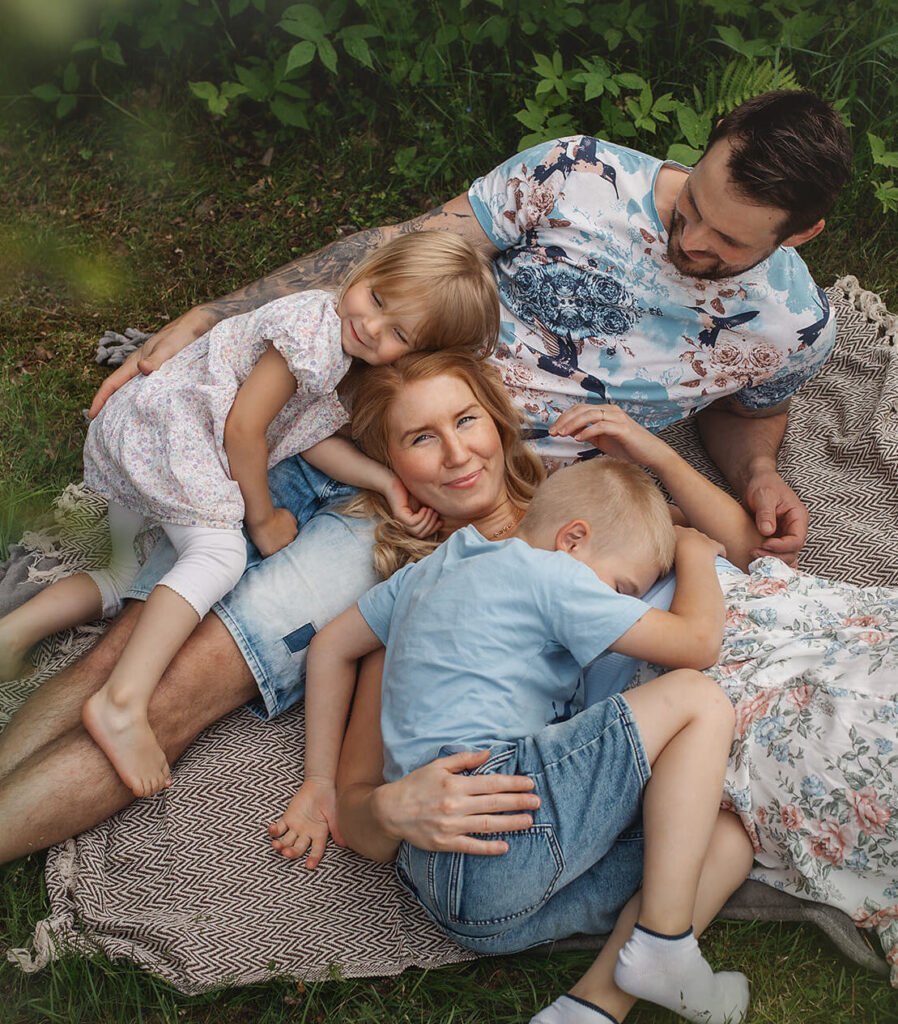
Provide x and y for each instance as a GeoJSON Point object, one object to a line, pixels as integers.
{"type": "Point", "coordinates": [116, 716]}
{"type": "Point", "coordinates": [68, 602]}
{"type": "Point", "coordinates": [55, 706]}
{"type": "Point", "coordinates": [69, 785]}
{"type": "Point", "coordinates": [728, 861]}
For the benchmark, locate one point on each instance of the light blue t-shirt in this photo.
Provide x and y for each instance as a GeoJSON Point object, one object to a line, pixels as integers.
{"type": "Point", "coordinates": [593, 310]}
{"type": "Point", "coordinates": [492, 638]}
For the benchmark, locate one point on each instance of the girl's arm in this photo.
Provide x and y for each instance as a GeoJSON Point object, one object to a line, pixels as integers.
{"type": "Point", "coordinates": [330, 682]}
{"type": "Point", "coordinates": [689, 635]}
{"type": "Point", "coordinates": [434, 807]}
{"type": "Point", "coordinates": [261, 397]}
{"type": "Point", "coordinates": [340, 459]}
{"type": "Point", "coordinates": [706, 506]}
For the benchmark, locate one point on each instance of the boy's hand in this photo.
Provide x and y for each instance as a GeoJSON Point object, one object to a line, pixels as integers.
{"type": "Point", "coordinates": [310, 817]}
{"type": "Point", "coordinates": [695, 541]}
{"type": "Point", "coordinates": [418, 520]}
{"type": "Point", "coordinates": [274, 533]}
{"type": "Point", "coordinates": [610, 429]}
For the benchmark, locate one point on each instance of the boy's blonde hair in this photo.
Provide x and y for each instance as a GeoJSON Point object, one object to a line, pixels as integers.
{"type": "Point", "coordinates": [445, 278]}
{"type": "Point", "coordinates": [619, 501]}
{"type": "Point", "coordinates": [379, 387]}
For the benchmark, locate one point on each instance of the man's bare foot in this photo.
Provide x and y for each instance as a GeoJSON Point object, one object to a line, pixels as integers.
{"type": "Point", "coordinates": [125, 737]}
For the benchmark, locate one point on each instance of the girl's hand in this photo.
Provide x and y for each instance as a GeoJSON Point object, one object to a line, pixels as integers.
{"type": "Point", "coordinates": [419, 520]}
{"type": "Point", "coordinates": [310, 817]}
{"type": "Point", "coordinates": [274, 533]}
{"type": "Point", "coordinates": [611, 430]}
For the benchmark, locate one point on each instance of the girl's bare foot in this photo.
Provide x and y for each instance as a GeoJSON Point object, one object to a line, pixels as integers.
{"type": "Point", "coordinates": [124, 735]}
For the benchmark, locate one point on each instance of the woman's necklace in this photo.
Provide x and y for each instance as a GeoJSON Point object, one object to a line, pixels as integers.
{"type": "Point", "coordinates": [517, 516]}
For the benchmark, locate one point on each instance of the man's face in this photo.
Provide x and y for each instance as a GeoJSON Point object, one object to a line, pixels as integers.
{"type": "Point", "coordinates": [714, 232]}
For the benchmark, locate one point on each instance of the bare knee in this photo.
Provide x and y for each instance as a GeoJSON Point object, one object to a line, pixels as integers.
{"type": "Point", "coordinates": [702, 696]}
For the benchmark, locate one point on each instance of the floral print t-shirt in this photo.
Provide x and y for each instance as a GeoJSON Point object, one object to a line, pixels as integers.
{"type": "Point", "coordinates": [593, 310]}
{"type": "Point", "coordinates": [157, 446]}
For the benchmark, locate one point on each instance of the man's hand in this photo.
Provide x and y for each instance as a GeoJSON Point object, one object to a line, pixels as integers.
{"type": "Point", "coordinates": [274, 533]}
{"type": "Point", "coordinates": [436, 808]}
{"type": "Point", "coordinates": [779, 516]}
{"type": "Point", "coordinates": [155, 351]}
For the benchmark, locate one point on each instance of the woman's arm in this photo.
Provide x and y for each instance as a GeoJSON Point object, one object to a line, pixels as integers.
{"type": "Point", "coordinates": [340, 459]}
{"type": "Point", "coordinates": [263, 394]}
{"type": "Point", "coordinates": [705, 506]}
{"type": "Point", "coordinates": [434, 807]}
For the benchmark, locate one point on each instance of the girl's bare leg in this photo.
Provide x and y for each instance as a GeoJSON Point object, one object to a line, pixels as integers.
{"type": "Point", "coordinates": [68, 602]}
{"type": "Point", "coordinates": [116, 716]}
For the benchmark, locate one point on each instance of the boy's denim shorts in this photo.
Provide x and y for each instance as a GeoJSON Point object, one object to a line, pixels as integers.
{"type": "Point", "coordinates": [282, 601]}
{"type": "Point", "coordinates": [575, 867]}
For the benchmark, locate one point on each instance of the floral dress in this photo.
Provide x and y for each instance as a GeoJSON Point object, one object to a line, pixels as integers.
{"type": "Point", "coordinates": [812, 669]}
{"type": "Point", "coordinates": [157, 446]}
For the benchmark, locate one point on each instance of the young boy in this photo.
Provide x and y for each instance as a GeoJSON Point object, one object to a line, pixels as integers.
{"type": "Point", "coordinates": [490, 641]}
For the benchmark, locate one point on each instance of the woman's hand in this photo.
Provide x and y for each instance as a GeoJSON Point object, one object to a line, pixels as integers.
{"type": "Point", "coordinates": [419, 520]}
{"type": "Point", "coordinates": [435, 807]}
{"type": "Point", "coordinates": [274, 533]}
{"type": "Point", "coordinates": [610, 429]}
{"type": "Point", "coordinates": [155, 351]}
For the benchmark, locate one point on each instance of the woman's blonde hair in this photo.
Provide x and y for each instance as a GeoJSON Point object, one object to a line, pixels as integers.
{"type": "Point", "coordinates": [378, 390]}
{"type": "Point", "coordinates": [442, 277]}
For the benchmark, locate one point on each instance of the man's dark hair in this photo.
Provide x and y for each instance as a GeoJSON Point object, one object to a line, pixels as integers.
{"type": "Point", "coordinates": [791, 151]}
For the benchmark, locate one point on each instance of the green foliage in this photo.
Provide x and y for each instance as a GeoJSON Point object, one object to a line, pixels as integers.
{"type": "Point", "coordinates": [457, 77]}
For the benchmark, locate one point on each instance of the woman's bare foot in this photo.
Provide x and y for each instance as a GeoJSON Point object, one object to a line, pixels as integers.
{"type": "Point", "coordinates": [124, 735]}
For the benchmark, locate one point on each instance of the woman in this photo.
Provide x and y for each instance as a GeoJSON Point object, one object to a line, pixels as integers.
{"type": "Point", "coordinates": [435, 807]}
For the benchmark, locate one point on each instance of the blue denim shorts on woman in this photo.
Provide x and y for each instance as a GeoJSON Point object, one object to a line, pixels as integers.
{"type": "Point", "coordinates": [577, 865]}
{"type": "Point", "coordinates": [282, 601]}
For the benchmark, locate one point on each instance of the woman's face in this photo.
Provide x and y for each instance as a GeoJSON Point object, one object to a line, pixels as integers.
{"type": "Point", "coordinates": [445, 448]}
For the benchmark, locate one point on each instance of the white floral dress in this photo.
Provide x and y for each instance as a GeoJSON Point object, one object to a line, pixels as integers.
{"type": "Point", "coordinates": [157, 447]}
{"type": "Point", "coordinates": [812, 669]}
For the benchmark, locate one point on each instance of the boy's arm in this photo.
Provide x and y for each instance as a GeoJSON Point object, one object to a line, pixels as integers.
{"type": "Point", "coordinates": [330, 683]}
{"type": "Point", "coordinates": [340, 459]}
{"type": "Point", "coordinates": [324, 268]}
{"type": "Point", "coordinates": [689, 635]}
{"type": "Point", "coordinates": [261, 397]}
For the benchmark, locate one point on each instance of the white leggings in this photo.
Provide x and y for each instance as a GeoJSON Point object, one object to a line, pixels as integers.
{"type": "Point", "coordinates": [210, 562]}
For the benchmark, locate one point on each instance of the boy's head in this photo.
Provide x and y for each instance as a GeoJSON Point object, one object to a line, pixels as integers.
{"type": "Point", "coordinates": [608, 514]}
{"type": "Point", "coordinates": [442, 281]}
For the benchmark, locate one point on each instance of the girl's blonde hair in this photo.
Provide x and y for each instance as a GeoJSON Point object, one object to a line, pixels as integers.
{"type": "Point", "coordinates": [445, 279]}
{"type": "Point", "coordinates": [378, 390]}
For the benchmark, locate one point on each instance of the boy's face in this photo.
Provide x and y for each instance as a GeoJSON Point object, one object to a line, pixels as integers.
{"type": "Point", "coordinates": [630, 572]}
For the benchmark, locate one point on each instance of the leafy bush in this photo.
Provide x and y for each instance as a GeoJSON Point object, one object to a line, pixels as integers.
{"type": "Point", "coordinates": [443, 83]}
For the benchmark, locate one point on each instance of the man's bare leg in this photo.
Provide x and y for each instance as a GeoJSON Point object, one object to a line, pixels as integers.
{"type": "Point", "coordinates": [68, 785]}
{"type": "Point", "coordinates": [55, 707]}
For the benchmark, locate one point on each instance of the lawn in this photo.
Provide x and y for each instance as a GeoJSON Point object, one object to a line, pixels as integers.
{"type": "Point", "coordinates": [113, 222]}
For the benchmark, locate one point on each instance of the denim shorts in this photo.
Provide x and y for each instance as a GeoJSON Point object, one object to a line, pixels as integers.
{"type": "Point", "coordinates": [282, 601]}
{"type": "Point", "coordinates": [575, 867]}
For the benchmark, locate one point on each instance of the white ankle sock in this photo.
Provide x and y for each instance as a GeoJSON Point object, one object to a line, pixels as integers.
{"type": "Point", "coordinates": [572, 1010]}
{"type": "Point", "coordinates": [672, 972]}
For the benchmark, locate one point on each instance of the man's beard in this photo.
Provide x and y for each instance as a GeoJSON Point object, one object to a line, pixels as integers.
{"type": "Point", "coordinates": [714, 271]}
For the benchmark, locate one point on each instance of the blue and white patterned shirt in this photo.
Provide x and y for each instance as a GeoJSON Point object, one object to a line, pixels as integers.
{"type": "Point", "coordinates": [593, 310]}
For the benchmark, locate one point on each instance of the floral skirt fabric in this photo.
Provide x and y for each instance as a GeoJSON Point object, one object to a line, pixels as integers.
{"type": "Point", "coordinates": [811, 667]}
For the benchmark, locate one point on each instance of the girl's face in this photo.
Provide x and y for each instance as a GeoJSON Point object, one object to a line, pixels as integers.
{"type": "Point", "coordinates": [370, 331]}
{"type": "Point", "coordinates": [445, 448]}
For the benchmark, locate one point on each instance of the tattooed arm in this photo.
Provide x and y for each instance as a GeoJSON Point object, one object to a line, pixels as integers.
{"type": "Point", "coordinates": [744, 444]}
{"type": "Point", "coordinates": [324, 268]}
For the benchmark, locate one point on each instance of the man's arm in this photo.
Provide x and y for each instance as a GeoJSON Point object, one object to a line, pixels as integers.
{"type": "Point", "coordinates": [744, 443]}
{"type": "Point", "coordinates": [324, 268]}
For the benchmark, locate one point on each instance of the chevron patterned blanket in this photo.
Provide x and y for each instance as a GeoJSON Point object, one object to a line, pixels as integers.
{"type": "Point", "coordinates": [140, 886]}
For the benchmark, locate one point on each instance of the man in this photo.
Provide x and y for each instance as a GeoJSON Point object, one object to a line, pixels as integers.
{"type": "Point", "coordinates": [622, 280]}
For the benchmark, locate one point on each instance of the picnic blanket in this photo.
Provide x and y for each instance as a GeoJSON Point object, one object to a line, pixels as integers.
{"type": "Point", "coordinates": [186, 884]}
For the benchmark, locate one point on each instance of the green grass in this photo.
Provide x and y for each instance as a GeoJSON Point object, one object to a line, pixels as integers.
{"type": "Point", "coordinates": [111, 223]}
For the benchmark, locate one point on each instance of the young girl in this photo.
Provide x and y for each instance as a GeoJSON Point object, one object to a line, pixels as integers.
{"type": "Point", "coordinates": [189, 448]}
